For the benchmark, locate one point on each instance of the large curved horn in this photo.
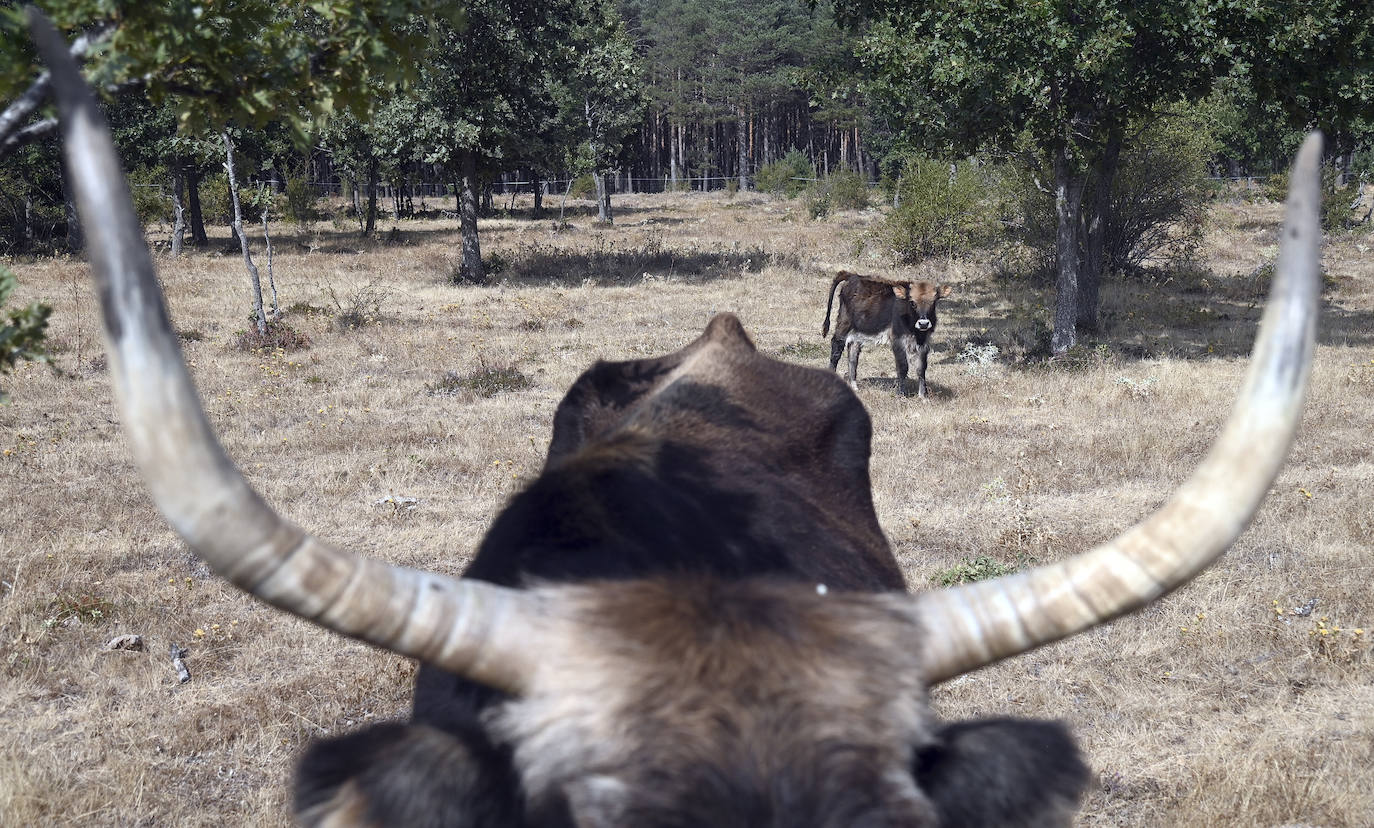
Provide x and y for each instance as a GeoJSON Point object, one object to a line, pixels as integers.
{"type": "Point", "coordinates": [487, 633]}
{"type": "Point", "coordinates": [976, 624]}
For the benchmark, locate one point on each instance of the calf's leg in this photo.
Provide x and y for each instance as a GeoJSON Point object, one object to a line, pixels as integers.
{"type": "Point", "coordinates": [922, 356]}
{"type": "Point", "coordinates": [854, 349]}
{"type": "Point", "coordinates": [899, 355]}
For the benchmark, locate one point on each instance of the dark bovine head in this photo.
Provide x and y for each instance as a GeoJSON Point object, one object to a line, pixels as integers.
{"type": "Point", "coordinates": [916, 306]}
{"type": "Point", "coordinates": [712, 633]}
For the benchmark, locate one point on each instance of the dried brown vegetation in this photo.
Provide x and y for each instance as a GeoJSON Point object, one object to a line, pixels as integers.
{"type": "Point", "coordinates": [1220, 705]}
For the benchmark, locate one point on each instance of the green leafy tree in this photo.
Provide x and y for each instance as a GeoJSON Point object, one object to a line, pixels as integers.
{"type": "Point", "coordinates": [603, 92]}
{"type": "Point", "coordinates": [1311, 64]}
{"type": "Point", "coordinates": [485, 88]}
{"type": "Point", "coordinates": [958, 75]}
{"type": "Point", "coordinates": [249, 62]}
{"type": "Point", "coordinates": [21, 338]}
{"type": "Point", "coordinates": [356, 155]}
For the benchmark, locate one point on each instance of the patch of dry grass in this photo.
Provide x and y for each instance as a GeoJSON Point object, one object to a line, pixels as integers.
{"type": "Point", "coordinates": [1215, 706]}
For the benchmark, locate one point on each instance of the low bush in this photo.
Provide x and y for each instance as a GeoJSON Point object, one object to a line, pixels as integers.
{"type": "Point", "coordinates": [842, 190]}
{"type": "Point", "coordinates": [152, 204]}
{"type": "Point", "coordinates": [486, 381]}
{"type": "Point", "coordinates": [299, 206]}
{"type": "Point", "coordinates": [943, 208]}
{"type": "Point", "coordinates": [980, 568]}
{"type": "Point", "coordinates": [279, 336]}
{"type": "Point", "coordinates": [216, 206]}
{"type": "Point", "coordinates": [583, 187]}
{"type": "Point", "coordinates": [786, 176]}
{"type": "Point", "coordinates": [357, 306]}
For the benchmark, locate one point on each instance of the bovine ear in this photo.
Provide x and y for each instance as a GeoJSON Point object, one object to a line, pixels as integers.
{"type": "Point", "coordinates": [1011, 772]}
{"type": "Point", "coordinates": [901, 291]}
{"type": "Point", "coordinates": [397, 774]}
{"type": "Point", "coordinates": [943, 290]}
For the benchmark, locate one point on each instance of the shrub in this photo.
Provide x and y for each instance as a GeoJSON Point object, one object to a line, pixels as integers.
{"type": "Point", "coordinates": [23, 337]}
{"type": "Point", "coordinates": [279, 336]}
{"type": "Point", "coordinates": [779, 177]}
{"type": "Point", "coordinates": [1157, 201]}
{"type": "Point", "coordinates": [841, 190]}
{"type": "Point", "coordinates": [152, 204]}
{"type": "Point", "coordinates": [942, 209]}
{"type": "Point", "coordinates": [1159, 195]}
{"type": "Point", "coordinates": [1275, 187]}
{"type": "Point", "coordinates": [215, 206]}
{"type": "Point", "coordinates": [300, 202]}
{"type": "Point", "coordinates": [848, 190]}
{"type": "Point", "coordinates": [358, 306]}
{"type": "Point", "coordinates": [486, 381]}
{"type": "Point", "coordinates": [583, 187]}
{"type": "Point", "coordinates": [980, 568]}
{"type": "Point", "coordinates": [1337, 202]}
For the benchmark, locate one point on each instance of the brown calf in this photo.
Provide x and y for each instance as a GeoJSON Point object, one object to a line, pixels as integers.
{"type": "Point", "coordinates": [691, 617]}
{"type": "Point", "coordinates": [881, 311]}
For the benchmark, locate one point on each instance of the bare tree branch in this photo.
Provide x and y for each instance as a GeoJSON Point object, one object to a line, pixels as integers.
{"type": "Point", "coordinates": [11, 136]}
{"type": "Point", "coordinates": [19, 111]}
{"type": "Point", "coordinates": [28, 134]}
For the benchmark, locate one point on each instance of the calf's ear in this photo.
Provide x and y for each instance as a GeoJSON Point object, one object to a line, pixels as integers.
{"type": "Point", "coordinates": [1010, 772]}
{"type": "Point", "coordinates": [901, 291]}
{"type": "Point", "coordinates": [944, 290]}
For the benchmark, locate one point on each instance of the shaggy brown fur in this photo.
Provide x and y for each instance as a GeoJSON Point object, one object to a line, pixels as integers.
{"type": "Point", "coordinates": [730, 655]}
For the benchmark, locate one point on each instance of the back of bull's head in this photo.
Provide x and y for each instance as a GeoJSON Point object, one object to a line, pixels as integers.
{"type": "Point", "coordinates": [681, 701]}
{"type": "Point", "coordinates": [918, 302]}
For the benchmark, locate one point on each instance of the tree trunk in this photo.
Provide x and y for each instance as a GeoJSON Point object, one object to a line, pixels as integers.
{"type": "Point", "coordinates": [603, 191]}
{"type": "Point", "coordinates": [370, 225]}
{"type": "Point", "coordinates": [178, 210]}
{"type": "Point", "coordinates": [261, 318]}
{"type": "Point", "coordinates": [358, 208]}
{"type": "Point", "coordinates": [674, 153]}
{"type": "Point", "coordinates": [1094, 243]}
{"type": "Point", "coordinates": [271, 279]}
{"type": "Point", "coordinates": [1068, 203]}
{"type": "Point", "coordinates": [765, 129]}
{"type": "Point", "coordinates": [742, 128]}
{"type": "Point", "coordinates": [26, 232]}
{"type": "Point", "coordinates": [471, 268]}
{"type": "Point", "coordinates": [538, 181]}
{"type": "Point", "coordinates": [198, 237]}
{"type": "Point", "coordinates": [603, 197]}
{"type": "Point", "coordinates": [76, 240]}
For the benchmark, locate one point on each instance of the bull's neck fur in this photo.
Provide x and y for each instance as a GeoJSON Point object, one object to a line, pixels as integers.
{"type": "Point", "coordinates": [754, 703]}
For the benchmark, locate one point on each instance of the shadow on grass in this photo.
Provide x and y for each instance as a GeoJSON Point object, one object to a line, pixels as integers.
{"type": "Point", "coordinates": [1187, 314]}
{"type": "Point", "coordinates": [335, 239]}
{"type": "Point", "coordinates": [935, 392]}
{"type": "Point", "coordinates": [607, 261]}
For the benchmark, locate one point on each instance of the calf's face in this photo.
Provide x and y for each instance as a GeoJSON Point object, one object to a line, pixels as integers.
{"type": "Point", "coordinates": [917, 301]}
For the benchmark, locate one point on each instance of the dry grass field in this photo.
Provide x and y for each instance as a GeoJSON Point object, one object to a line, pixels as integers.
{"type": "Point", "coordinates": [1220, 705]}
